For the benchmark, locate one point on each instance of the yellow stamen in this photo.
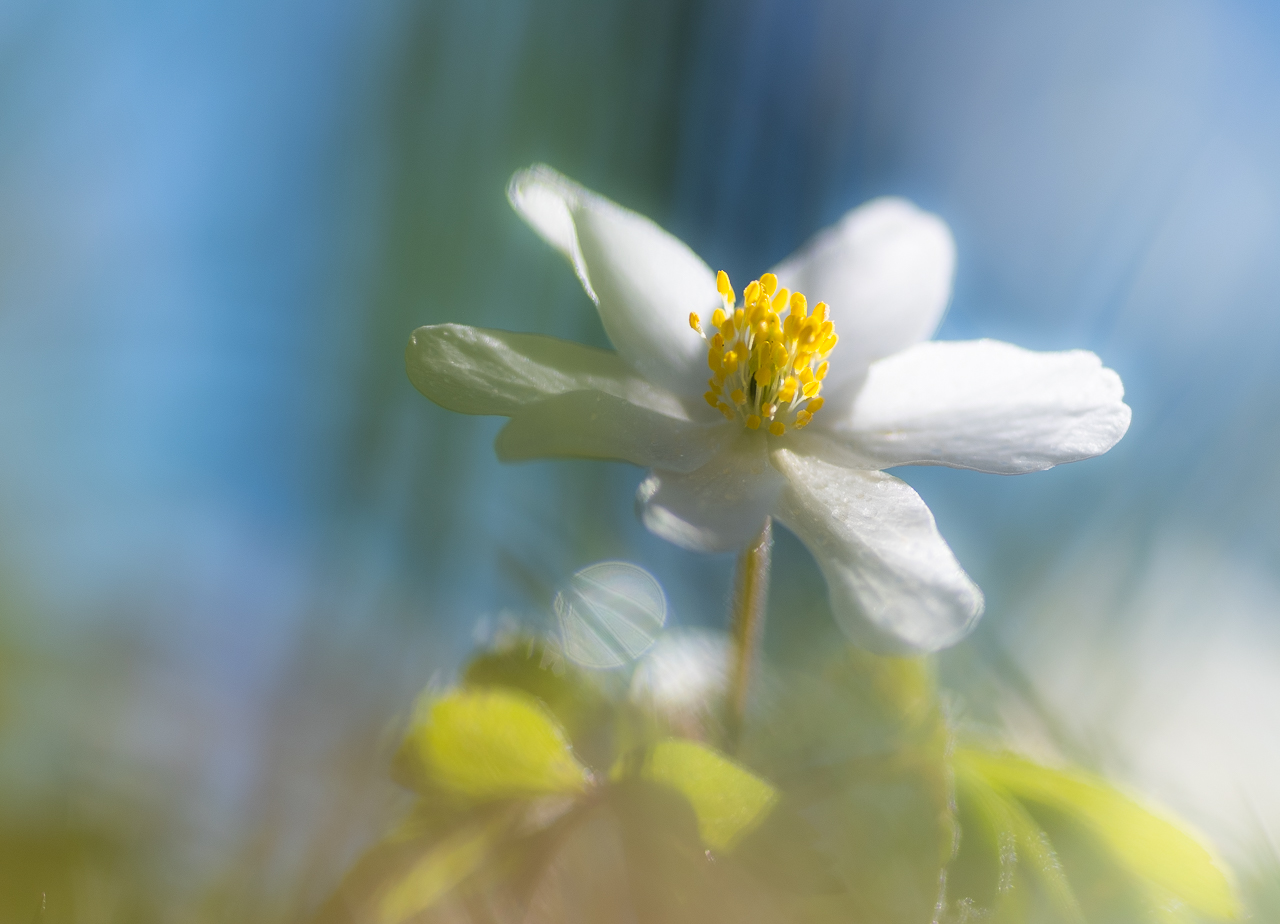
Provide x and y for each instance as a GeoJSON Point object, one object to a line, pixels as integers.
{"type": "Point", "coordinates": [724, 288]}
{"type": "Point", "coordinates": [768, 356]}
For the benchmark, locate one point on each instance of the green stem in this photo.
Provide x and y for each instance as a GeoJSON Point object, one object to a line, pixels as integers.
{"type": "Point", "coordinates": [750, 594]}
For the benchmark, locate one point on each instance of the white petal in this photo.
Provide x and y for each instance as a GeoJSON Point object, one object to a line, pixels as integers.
{"type": "Point", "coordinates": [564, 399]}
{"type": "Point", "coordinates": [477, 371]}
{"type": "Point", "coordinates": [596, 425]}
{"type": "Point", "coordinates": [986, 405]}
{"type": "Point", "coordinates": [721, 506]}
{"type": "Point", "coordinates": [885, 270]}
{"type": "Point", "coordinates": [644, 281]}
{"type": "Point", "coordinates": [894, 585]}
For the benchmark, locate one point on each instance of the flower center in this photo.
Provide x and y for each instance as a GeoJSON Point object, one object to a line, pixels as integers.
{"type": "Point", "coordinates": [766, 369]}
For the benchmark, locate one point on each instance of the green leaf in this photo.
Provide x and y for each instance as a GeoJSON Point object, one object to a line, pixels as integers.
{"type": "Point", "coordinates": [573, 696]}
{"type": "Point", "coordinates": [1148, 846]}
{"type": "Point", "coordinates": [492, 743]}
{"type": "Point", "coordinates": [727, 800]}
{"type": "Point", "coordinates": [857, 748]}
{"type": "Point", "coordinates": [436, 873]}
{"type": "Point", "coordinates": [1017, 837]}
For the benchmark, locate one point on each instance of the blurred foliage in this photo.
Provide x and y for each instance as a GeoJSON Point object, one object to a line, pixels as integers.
{"type": "Point", "coordinates": [67, 854]}
{"type": "Point", "coordinates": [551, 793]}
{"type": "Point", "coordinates": [1063, 845]}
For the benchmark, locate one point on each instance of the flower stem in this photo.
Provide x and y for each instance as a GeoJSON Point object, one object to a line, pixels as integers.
{"type": "Point", "coordinates": [750, 594]}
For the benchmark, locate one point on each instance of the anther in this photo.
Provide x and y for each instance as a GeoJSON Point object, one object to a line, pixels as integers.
{"type": "Point", "coordinates": [724, 288]}
{"type": "Point", "coordinates": [767, 368]}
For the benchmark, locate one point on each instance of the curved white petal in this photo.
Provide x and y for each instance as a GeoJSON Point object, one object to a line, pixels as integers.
{"type": "Point", "coordinates": [985, 405]}
{"type": "Point", "coordinates": [644, 281]}
{"type": "Point", "coordinates": [564, 399]}
{"type": "Point", "coordinates": [885, 270]}
{"type": "Point", "coordinates": [473, 370]}
{"type": "Point", "coordinates": [721, 506]}
{"type": "Point", "coordinates": [596, 425]}
{"type": "Point", "coordinates": [894, 585]}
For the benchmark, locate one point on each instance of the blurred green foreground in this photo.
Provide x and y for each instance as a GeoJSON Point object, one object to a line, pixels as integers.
{"type": "Point", "coordinates": [548, 793]}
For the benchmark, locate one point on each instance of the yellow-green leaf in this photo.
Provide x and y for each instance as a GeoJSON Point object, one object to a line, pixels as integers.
{"type": "Point", "coordinates": [727, 800]}
{"type": "Point", "coordinates": [494, 743]}
{"type": "Point", "coordinates": [1149, 846]}
{"type": "Point", "coordinates": [1017, 837]}
{"type": "Point", "coordinates": [433, 876]}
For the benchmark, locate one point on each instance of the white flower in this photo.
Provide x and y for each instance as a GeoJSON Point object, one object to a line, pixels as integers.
{"type": "Point", "coordinates": [812, 461]}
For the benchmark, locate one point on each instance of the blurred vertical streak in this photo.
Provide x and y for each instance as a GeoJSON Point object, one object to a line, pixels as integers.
{"type": "Point", "coordinates": [481, 90]}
